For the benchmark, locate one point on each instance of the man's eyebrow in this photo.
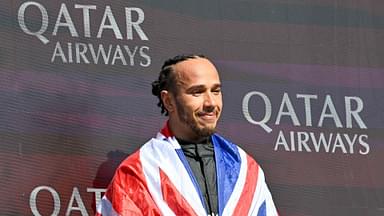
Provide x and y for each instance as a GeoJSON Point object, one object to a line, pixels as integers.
{"type": "Point", "coordinates": [201, 87]}
{"type": "Point", "coordinates": [195, 88]}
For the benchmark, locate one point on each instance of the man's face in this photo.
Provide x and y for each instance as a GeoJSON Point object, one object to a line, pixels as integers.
{"type": "Point", "coordinates": [197, 99]}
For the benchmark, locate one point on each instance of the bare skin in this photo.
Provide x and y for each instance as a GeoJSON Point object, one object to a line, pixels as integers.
{"type": "Point", "coordinates": [196, 106]}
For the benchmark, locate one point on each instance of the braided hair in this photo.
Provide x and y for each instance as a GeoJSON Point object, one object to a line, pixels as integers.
{"type": "Point", "coordinates": [167, 79]}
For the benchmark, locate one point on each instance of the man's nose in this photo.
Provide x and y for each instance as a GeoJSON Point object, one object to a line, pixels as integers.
{"type": "Point", "coordinates": [209, 99]}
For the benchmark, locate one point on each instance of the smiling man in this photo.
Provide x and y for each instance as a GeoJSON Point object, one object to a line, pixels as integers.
{"type": "Point", "coordinates": [188, 169]}
{"type": "Point", "coordinates": [194, 103]}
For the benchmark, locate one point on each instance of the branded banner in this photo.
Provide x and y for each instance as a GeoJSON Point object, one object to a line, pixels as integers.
{"type": "Point", "coordinates": [303, 85]}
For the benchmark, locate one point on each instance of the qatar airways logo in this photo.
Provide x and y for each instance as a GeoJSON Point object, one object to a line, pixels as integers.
{"type": "Point", "coordinates": [75, 204]}
{"type": "Point", "coordinates": [318, 136]}
{"type": "Point", "coordinates": [46, 28]}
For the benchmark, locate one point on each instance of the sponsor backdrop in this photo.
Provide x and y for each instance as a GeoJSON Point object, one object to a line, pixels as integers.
{"type": "Point", "coordinates": [303, 93]}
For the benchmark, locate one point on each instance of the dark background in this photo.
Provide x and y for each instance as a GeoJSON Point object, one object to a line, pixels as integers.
{"type": "Point", "coordinates": [67, 125]}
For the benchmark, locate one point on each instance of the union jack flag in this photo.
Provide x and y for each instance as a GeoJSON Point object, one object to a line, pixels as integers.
{"type": "Point", "coordinates": [157, 180]}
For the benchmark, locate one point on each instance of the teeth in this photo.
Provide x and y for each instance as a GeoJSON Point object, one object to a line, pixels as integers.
{"type": "Point", "coordinates": [210, 114]}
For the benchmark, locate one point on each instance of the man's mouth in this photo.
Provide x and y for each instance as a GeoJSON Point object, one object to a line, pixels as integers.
{"type": "Point", "coordinates": [207, 115]}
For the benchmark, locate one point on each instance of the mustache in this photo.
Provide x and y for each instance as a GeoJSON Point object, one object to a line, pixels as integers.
{"type": "Point", "coordinates": [208, 109]}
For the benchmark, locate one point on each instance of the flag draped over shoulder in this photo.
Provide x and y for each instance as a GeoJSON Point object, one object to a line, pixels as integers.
{"type": "Point", "coordinates": [157, 180]}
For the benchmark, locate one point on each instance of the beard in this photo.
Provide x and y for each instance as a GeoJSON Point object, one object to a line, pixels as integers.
{"type": "Point", "coordinates": [192, 122]}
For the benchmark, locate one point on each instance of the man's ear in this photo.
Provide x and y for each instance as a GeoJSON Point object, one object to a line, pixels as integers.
{"type": "Point", "coordinates": [168, 101]}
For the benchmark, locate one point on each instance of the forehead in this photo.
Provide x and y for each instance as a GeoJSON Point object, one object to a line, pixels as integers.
{"type": "Point", "coordinates": [199, 71]}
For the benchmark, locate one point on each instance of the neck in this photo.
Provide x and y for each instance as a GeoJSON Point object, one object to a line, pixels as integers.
{"type": "Point", "coordinates": [182, 131]}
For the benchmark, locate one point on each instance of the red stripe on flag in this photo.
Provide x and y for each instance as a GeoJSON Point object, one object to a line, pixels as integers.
{"type": "Point", "coordinates": [166, 131]}
{"type": "Point", "coordinates": [172, 196]}
{"type": "Point", "coordinates": [128, 191]}
{"type": "Point", "coordinates": [246, 196]}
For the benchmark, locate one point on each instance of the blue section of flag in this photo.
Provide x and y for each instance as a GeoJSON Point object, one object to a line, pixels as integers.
{"type": "Point", "coordinates": [228, 163]}
{"type": "Point", "coordinates": [181, 155]}
{"type": "Point", "coordinates": [262, 210]}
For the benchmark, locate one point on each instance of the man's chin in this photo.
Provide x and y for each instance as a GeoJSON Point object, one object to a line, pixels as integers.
{"type": "Point", "coordinates": [206, 131]}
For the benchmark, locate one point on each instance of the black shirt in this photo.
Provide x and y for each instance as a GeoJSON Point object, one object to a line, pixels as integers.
{"type": "Point", "coordinates": [201, 159]}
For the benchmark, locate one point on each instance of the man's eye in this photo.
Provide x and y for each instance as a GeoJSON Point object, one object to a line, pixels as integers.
{"type": "Point", "coordinates": [216, 91]}
{"type": "Point", "coordinates": [196, 94]}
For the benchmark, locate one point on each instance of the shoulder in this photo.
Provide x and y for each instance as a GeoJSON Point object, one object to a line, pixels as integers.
{"type": "Point", "coordinates": [225, 142]}
{"type": "Point", "coordinates": [151, 152]}
{"type": "Point", "coordinates": [130, 170]}
{"type": "Point", "coordinates": [228, 146]}
{"type": "Point", "coordinates": [134, 159]}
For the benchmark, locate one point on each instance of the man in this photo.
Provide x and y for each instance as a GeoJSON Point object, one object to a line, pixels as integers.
{"type": "Point", "coordinates": [188, 169]}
